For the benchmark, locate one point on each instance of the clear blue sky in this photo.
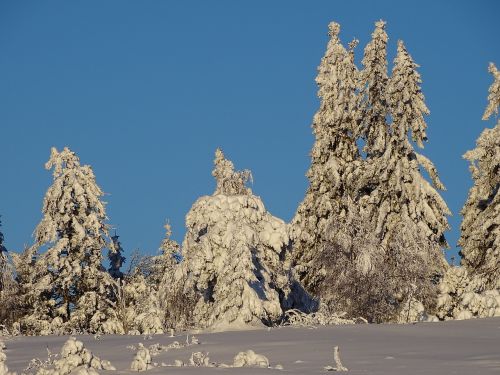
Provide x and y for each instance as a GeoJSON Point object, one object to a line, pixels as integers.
{"type": "Point", "coordinates": [144, 91]}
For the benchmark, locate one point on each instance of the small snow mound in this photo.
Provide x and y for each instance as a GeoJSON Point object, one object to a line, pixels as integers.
{"type": "Point", "coordinates": [76, 359]}
{"type": "Point", "coordinates": [250, 359]}
{"type": "Point", "coordinates": [4, 370]}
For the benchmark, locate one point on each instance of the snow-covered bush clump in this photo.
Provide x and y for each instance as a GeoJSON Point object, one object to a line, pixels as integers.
{"type": "Point", "coordinates": [66, 288]}
{"type": "Point", "coordinates": [234, 253]}
{"type": "Point", "coordinates": [76, 359]}
{"type": "Point", "coordinates": [142, 359]}
{"type": "Point", "coordinates": [143, 313]}
{"type": "Point", "coordinates": [463, 296]}
{"type": "Point", "coordinates": [141, 306]}
{"type": "Point", "coordinates": [250, 359]}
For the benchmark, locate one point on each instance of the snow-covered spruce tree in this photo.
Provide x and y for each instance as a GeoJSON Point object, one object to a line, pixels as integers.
{"type": "Point", "coordinates": [393, 194]}
{"type": "Point", "coordinates": [177, 303]}
{"type": "Point", "coordinates": [333, 158]}
{"type": "Point", "coordinates": [146, 291]}
{"type": "Point", "coordinates": [373, 82]}
{"type": "Point", "coordinates": [473, 289]}
{"type": "Point", "coordinates": [4, 264]}
{"type": "Point", "coordinates": [116, 258]}
{"type": "Point", "coordinates": [70, 289]}
{"type": "Point", "coordinates": [233, 255]}
{"type": "Point", "coordinates": [392, 187]}
{"type": "Point", "coordinates": [8, 287]}
{"type": "Point", "coordinates": [480, 229]}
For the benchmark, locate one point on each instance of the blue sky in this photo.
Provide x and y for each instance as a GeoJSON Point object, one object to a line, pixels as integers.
{"type": "Point", "coordinates": [144, 91]}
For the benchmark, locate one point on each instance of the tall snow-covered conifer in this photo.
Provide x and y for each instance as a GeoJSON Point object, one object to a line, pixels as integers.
{"type": "Point", "coordinates": [480, 229]}
{"type": "Point", "coordinates": [72, 288]}
{"type": "Point", "coordinates": [406, 212]}
{"type": "Point", "coordinates": [334, 156]}
{"type": "Point", "coordinates": [373, 82]}
{"type": "Point", "coordinates": [4, 261]}
{"type": "Point", "coordinates": [393, 189]}
{"type": "Point", "coordinates": [8, 286]}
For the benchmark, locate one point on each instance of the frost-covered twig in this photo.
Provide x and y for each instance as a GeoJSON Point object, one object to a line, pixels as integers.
{"type": "Point", "coordinates": [338, 364]}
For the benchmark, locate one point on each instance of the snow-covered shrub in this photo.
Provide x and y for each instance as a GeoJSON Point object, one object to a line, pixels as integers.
{"type": "Point", "coordinates": [234, 253]}
{"type": "Point", "coordinates": [143, 312]}
{"type": "Point", "coordinates": [250, 359]}
{"type": "Point", "coordinates": [200, 359]}
{"type": "Point", "coordinates": [463, 296]}
{"type": "Point", "coordinates": [142, 359]}
{"type": "Point", "coordinates": [322, 317]}
{"type": "Point", "coordinates": [76, 359]}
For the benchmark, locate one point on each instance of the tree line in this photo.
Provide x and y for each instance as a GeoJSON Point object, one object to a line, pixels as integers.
{"type": "Point", "coordinates": [366, 241]}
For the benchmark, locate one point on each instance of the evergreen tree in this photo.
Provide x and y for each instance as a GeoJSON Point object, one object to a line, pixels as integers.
{"type": "Point", "coordinates": [392, 188]}
{"type": "Point", "coordinates": [8, 286]}
{"type": "Point", "coordinates": [170, 254]}
{"type": "Point", "coordinates": [4, 262]}
{"type": "Point", "coordinates": [480, 229]}
{"type": "Point", "coordinates": [233, 255]}
{"type": "Point", "coordinates": [373, 83]}
{"type": "Point", "coordinates": [394, 196]}
{"type": "Point", "coordinates": [116, 258]}
{"type": "Point", "coordinates": [70, 287]}
{"type": "Point", "coordinates": [334, 157]}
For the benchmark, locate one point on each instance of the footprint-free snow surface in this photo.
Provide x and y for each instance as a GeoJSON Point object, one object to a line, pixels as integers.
{"type": "Point", "coordinates": [455, 347]}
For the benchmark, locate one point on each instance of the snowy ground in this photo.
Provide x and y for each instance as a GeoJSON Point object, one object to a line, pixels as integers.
{"type": "Point", "coordinates": [456, 347]}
